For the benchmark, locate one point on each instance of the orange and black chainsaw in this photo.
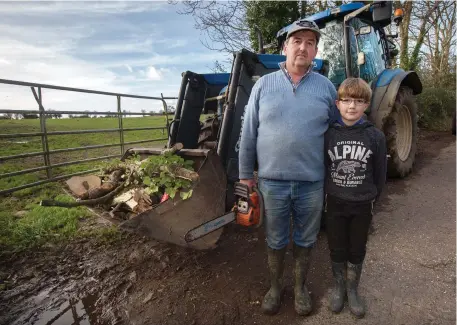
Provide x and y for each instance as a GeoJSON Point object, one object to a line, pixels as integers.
{"type": "Point", "coordinates": [248, 211]}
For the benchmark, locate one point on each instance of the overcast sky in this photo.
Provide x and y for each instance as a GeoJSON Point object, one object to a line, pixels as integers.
{"type": "Point", "coordinates": [127, 47]}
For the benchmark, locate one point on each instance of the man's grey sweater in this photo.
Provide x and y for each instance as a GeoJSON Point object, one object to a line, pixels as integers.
{"type": "Point", "coordinates": [284, 127]}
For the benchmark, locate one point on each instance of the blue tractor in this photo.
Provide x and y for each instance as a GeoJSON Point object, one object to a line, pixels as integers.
{"type": "Point", "coordinates": [354, 43]}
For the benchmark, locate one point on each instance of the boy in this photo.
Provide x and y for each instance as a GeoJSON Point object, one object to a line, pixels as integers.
{"type": "Point", "coordinates": [356, 166]}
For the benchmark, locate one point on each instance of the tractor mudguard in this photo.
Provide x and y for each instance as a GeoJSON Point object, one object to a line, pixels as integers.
{"type": "Point", "coordinates": [385, 88]}
{"type": "Point", "coordinates": [171, 220]}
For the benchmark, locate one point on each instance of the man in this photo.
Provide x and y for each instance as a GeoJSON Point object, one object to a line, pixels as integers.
{"type": "Point", "coordinates": [285, 120]}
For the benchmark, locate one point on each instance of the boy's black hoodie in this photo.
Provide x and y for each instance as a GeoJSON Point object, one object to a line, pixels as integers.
{"type": "Point", "coordinates": [355, 161]}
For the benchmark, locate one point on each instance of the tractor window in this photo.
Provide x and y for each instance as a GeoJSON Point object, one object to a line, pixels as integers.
{"type": "Point", "coordinates": [353, 52]}
{"type": "Point", "coordinates": [331, 48]}
{"type": "Point", "coordinates": [370, 44]}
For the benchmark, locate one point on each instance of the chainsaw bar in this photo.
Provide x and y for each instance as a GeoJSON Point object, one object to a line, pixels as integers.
{"type": "Point", "coordinates": [210, 226]}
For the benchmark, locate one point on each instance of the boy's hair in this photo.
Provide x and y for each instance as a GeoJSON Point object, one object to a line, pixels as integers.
{"type": "Point", "coordinates": [354, 88]}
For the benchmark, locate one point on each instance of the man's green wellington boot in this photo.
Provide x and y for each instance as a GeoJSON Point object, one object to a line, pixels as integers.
{"type": "Point", "coordinates": [352, 283]}
{"type": "Point", "coordinates": [338, 292]}
{"type": "Point", "coordinates": [302, 299]}
{"type": "Point", "coordinates": [272, 300]}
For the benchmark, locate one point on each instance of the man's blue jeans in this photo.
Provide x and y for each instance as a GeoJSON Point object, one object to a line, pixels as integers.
{"type": "Point", "coordinates": [302, 200]}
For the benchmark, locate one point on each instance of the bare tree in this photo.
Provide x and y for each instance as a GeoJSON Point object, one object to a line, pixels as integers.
{"type": "Point", "coordinates": [439, 43]}
{"type": "Point", "coordinates": [427, 33]}
{"type": "Point", "coordinates": [419, 19]}
{"type": "Point", "coordinates": [222, 22]}
{"type": "Point", "coordinates": [220, 67]}
{"type": "Point", "coordinates": [230, 26]}
{"type": "Point", "coordinates": [423, 13]}
{"type": "Point", "coordinates": [407, 7]}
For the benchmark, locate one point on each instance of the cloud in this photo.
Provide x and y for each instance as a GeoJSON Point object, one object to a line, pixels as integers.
{"type": "Point", "coordinates": [40, 33]}
{"type": "Point", "coordinates": [188, 60]}
{"type": "Point", "coordinates": [54, 68]}
{"type": "Point", "coordinates": [76, 7]}
{"type": "Point", "coordinates": [116, 47]}
{"type": "Point", "coordinates": [49, 65]}
{"type": "Point", "coordinates": [153, 74]}
{"type": "Point", "coordinates": [135, 49]}
{"type": "Point", "coordinates": [174, 43]}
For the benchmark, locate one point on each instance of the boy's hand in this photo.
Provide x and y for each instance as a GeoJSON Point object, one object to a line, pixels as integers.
{"type": "Point", "coordinates": [249, 182]}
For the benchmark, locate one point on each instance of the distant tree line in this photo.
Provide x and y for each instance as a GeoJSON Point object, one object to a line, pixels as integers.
{"type": "Point", "coordinates": [27, 116]}
{"type": "Point", "coordinates": [87, 114]}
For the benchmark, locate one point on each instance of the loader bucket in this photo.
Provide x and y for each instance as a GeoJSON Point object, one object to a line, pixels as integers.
{"type": "Point", "coordinates": [172, 219]}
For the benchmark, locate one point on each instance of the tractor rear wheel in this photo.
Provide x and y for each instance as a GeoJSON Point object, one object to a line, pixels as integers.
{"type": "Point", "coordinates": [400, 130]}
{"type": "Point", "coordinates": [208, 133]}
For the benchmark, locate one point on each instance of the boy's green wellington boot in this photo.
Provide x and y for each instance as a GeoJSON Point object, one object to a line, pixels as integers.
{"type": "Point", "coordinates": [352, 283]}
{"type": "Point", "coordinates": [338, 292]}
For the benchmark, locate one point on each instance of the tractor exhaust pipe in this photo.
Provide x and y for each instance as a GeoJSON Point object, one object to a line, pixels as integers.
{"type": "Point", "coordinates": [174, 126]}
{"type": "Point", "coordinates": [260, 39]}
{"type": "Point", "coordinates": [227, 121]}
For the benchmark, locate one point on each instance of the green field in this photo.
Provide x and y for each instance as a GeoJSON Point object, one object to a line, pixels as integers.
{"type": "Point", "coordinates": [37, 225]}
{"type": "Point", "coordinates": [14, 146]}
{"type": "Point", "coordinates": [66, 141]}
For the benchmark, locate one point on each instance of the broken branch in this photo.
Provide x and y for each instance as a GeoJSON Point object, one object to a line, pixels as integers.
{"type": "Point", "coordinates": [50, 203]}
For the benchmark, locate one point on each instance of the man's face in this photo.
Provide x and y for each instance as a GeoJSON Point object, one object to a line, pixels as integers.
{"type": "Point", "coordinates": [301, 49]}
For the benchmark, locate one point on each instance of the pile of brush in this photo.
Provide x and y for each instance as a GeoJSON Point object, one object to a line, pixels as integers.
{"type": "Point", "coordinates": [126, 188]}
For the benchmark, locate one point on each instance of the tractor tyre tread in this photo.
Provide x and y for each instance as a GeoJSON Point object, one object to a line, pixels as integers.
{"type": "Point", "coordinates": [397, 167]}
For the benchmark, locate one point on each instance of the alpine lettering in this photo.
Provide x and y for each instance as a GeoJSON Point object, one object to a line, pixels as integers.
{"type": "Point", "coordinates": [349, 163]}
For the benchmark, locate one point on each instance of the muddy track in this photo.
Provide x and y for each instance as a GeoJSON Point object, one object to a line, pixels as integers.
{"type": "Point", "coordinates": [409, 275]}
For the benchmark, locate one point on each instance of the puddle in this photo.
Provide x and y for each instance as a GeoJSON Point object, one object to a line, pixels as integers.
{"type": "Point", "coordinates": [39, 298]}
{"type": "Point", "coordinates": [63, 312]}
{"type": "Point", "coordinates": [79, 312]}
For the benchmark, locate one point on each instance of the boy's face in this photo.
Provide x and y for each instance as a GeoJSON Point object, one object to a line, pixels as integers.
{"type": "Point", "coordinates": [351, 109]}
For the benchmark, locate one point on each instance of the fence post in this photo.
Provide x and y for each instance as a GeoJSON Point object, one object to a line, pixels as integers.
{"type": "Point", "coordinates": [165, 109]}
{"type": "Point", "coordinates": [121, 127]}
{"type": "Point", "coordinates": [44, 136]}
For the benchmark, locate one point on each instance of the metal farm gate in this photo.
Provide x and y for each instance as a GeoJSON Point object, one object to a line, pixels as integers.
{"type": "Point", "coordinates": [45, 153]}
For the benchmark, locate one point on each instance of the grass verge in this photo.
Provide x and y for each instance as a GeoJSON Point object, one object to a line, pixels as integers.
{"type": "Point", "coordinates": [25, 225]}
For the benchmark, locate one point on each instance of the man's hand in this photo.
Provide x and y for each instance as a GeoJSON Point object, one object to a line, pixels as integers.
{"type": "Point", "coordinates": [249, 182]}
